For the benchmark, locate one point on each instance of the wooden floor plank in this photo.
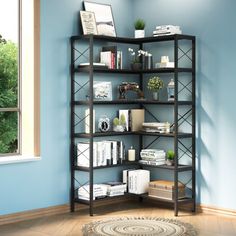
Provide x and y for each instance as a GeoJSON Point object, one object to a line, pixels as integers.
{"type": "Point", "coordinates": [70, 224]}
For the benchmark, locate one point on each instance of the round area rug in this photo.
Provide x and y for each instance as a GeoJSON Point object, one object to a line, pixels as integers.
{"type": "Point", "coordinates": [138, 226]}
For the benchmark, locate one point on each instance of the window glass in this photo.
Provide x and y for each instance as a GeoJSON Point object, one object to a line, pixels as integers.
{"type": "Point", "coordinates": [9, 82]}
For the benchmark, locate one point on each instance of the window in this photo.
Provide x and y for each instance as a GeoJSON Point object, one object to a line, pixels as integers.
{"type": "Point", "coordinates": [9, 77]}
{"type": "Point", "coordinates": [25, 109]}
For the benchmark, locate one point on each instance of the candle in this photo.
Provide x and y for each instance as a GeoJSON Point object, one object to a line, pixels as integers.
{"type": "Point", "coordinates": [131, 154]}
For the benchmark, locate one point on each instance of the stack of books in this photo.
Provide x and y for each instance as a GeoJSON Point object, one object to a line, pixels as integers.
{"type": "Point", "coordinates": [115, 188]}
{"type": "Point", "coordinates": [156, 127]}
{"type": "Point", "coordinates": [111, 57]}
{"type": "Point", "coordinates": [154, 157]}
{"type": "Point", "coordinates": [99, 191]}
{"type": "Point", "coordinates": [104, 153]}
{"type": "Point", "coordinates": [166, 30]}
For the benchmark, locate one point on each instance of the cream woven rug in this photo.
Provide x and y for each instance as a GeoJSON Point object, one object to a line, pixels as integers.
{"type": "Point", "coordinates": [138, 226]}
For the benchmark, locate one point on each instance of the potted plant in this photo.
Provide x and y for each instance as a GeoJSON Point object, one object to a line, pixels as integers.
{"type": "Point", "coordinates": [170, 155]}
{"type": "Point", "coordinates": [119, 124]}
{"type": "Point", "coordinates": [155, 84]}
{"type": "Point", "coordinates": [139, 26]}
{"type": "Point", "coordinates": [135, 59]}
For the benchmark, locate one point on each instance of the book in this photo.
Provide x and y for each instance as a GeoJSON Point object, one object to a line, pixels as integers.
{"type": "Point", "coordinates": [113, 50]}
{"type": "Point", "coordinates": [107, 152]}
{"type": "Point", "coordinates": [106, 58]}
{"type": "Point", "coordinates": [137, 119]}
{"type": "Point", "coordinates": [114, 153]}
{"type": "Point", "coordinates": [138, 181]}
{"type": "Point", "coordinates": [125, 113]}
{"type": "Point", "coordinates": [96, 64]}
{"type": "Point", "coordinates": [102, 90]}
{"type": "Point", "coordinates": [87, 121]}
{"type": "Point", "coordinates": [119, 60]}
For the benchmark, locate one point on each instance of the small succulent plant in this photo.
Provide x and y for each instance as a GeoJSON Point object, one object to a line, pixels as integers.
{"type": "Point", "coordinates": [139, 24]}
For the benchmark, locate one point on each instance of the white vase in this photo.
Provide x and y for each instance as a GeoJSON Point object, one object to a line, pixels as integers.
{"type": "Point", "coordinates": [155, 95]}
{"type": "Point", "coordinates": [139, 33]}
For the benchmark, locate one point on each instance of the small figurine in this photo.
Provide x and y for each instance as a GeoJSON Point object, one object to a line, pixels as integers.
{"type": "Point", "coordinates": [133, 86]}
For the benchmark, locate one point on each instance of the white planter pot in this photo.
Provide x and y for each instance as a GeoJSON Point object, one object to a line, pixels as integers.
{"type": "Point", "coordinates": [118, 128]}
{"type": "Point", "coordinates": [139, 33]}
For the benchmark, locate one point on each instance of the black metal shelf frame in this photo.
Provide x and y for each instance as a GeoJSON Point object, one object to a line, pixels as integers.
{"type": "Point", "coordinates": [178, 137]}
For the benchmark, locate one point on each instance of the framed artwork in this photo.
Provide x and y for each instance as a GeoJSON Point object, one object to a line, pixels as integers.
{"type": "Point", "coordinates": [104, 17]}
{"type": "Point", "coordinates": [88, 22]}
{"type": "Point", "coordinates": [102, 91]}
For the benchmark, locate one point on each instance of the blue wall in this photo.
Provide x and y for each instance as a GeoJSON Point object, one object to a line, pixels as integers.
{"type": "Point", "coordinates": [213, 22]}
{"type": "Point", "coordinates": [46, 183]}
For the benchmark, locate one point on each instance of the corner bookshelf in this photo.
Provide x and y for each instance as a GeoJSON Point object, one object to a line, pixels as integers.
{"type": "Point", "coordinates": [176, 136]}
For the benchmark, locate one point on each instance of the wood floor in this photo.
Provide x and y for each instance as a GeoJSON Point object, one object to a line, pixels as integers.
{"type": "Point", "coordinates": [71, 223]}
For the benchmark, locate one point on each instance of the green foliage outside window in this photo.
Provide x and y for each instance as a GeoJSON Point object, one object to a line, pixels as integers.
{"type": "Point", "coordinates": [8, 95]}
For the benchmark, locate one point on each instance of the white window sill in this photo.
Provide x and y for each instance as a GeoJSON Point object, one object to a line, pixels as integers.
{"type": "Point", "coordinates": [17, 159]}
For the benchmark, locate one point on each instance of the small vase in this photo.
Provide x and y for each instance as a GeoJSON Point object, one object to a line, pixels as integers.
{"type": "Point", "coordinates": [136, 66]}
{"type": "Point", "coordinates": [139, 34]}
{"type": "Point", "coordinates": [155, 96]}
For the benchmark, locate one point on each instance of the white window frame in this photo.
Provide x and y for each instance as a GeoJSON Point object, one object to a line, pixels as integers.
{"type": "Point", "coordinates": [29, 96]}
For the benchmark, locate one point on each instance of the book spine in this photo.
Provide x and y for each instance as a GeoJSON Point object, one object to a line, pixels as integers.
{"type": "Point", "coordinates": [95, 154]}
{"type": "Point", "coordinates": [113, 61]}
{"type": "Point", "coordinates": [114, 153]}
{"type": "Point", "coordinates": [87, 121]}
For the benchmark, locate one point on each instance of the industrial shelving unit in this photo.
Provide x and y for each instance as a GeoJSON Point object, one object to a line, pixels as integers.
{"type": "Point", "coordinates": [176, 135]}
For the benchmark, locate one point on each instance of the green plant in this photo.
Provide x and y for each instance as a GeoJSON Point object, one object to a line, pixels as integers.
{"type": "Point", "coordinates": [139, 24]}
{"type": "Point", "coordinates": [121, 121]}
{"type": "Point", "coordinates": [116, 121]}
{"type": "Point", "coordinates": [170, 155]}
{"type": "Point", "coordinates": [155, 83]}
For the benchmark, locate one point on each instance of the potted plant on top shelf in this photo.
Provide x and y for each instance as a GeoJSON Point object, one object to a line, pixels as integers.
{"type": "Point", "coordinates": [170, 155]}
{"type": "Point", "coordinates": [139, 26]}
{"type": "Point", "coordinates": [155, 84]}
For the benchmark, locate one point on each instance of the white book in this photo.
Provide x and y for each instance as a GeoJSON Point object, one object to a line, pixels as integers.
{"type": "Point", "coordinates": [87, 121]}
{"type": "Point", "coordinates": [100, 153]}
{"type": "Point", "coordinates": [95, 160]}
{"type": "Point", "coordinates": [139, 181]}
{"type": "Point", "coordinates": [107, 152]}
{"type": "Point", "coordinates": [121, 151]}
{"type": "Point", "coordinates": [106, 58]}
{"type": "Point", "coordinates": [114, 153]}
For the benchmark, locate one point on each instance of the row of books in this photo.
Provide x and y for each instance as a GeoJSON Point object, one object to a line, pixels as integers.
{"type": "Point", "coordinates": [109, 189]}
{"type": "Point", "coordinates": [111, 57]}
{"type": "Point", "coordinates": [105, 152]}
{"type": "Point", "coordinates": [135, 182]}
{"type": "Point", "coordinates": [166, 30]}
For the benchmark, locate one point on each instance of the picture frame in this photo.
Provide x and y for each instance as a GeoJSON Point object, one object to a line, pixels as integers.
{"type": "Point", "coordinates": [102, 91]}
{"type": "Point", "coordinates": [88, 22]}
{"type": "Point", "coordinates": [104, 17]}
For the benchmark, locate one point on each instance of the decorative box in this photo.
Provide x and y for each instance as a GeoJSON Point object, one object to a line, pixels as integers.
{"type": "Point", "coordinates": [164, 189]}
